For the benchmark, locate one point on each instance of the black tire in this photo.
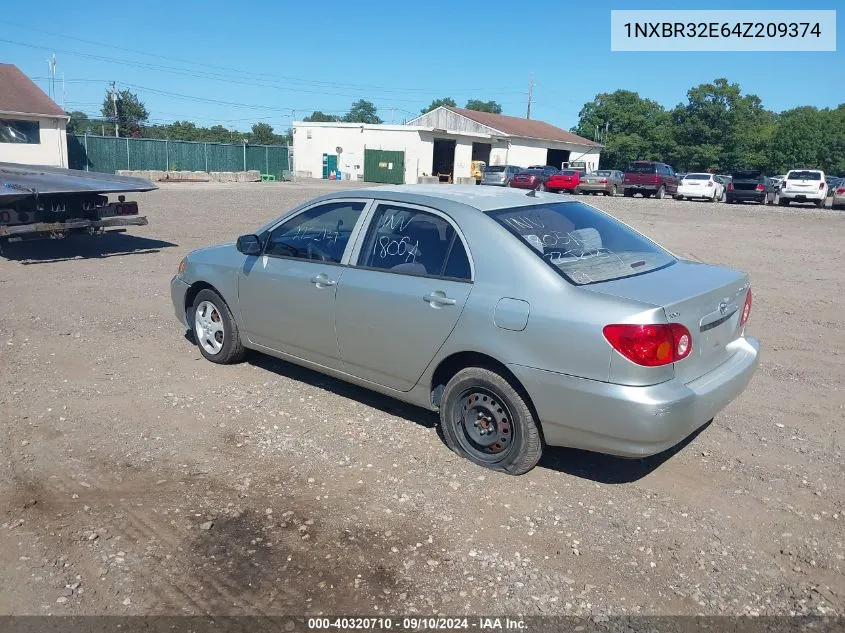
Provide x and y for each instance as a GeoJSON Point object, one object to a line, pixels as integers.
{"type": "Point", "coordinates": [474, 392]}
{"type": "Point", "coordinates": [232, 350]}
{"type": "Point", "coordinates": [661, 193]}
{"type": "Point", "coordinates": [820, 203]}
{"type": "Point", "coordinates": [627, 193]}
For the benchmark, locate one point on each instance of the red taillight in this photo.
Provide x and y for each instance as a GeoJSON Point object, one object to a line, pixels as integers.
{"type": "Point", "coordinates": [655, 180]}
{"type": "Point", "coordinates": [730, 186]}
{"type": "Point", "coordinates": [5, 217]}
{"type": "Point", "coordinates": [760, 187]}
{"type": "Point", "coordinates": [650, 345]}
{"type": "Point", "coordinates": [603, 181]}
{"type": "Point", "coordinates": [821, 185]}
{"type": "Point", "coordinates": [709, 183]}
{"type": "Point", "coordinates": [840, 190]}
{"type": "Point", "coordinates": [746, 309]}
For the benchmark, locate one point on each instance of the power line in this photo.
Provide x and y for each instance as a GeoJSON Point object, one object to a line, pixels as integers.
{"type": "Point", "coordinates": [270, 81]}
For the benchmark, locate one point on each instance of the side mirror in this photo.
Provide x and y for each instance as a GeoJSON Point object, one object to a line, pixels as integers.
{"type": "Point", "coordinates": [249, 245]}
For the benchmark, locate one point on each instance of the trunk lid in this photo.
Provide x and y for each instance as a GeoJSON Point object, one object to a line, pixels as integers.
{"type": "Point", "coordinates": [638, 178]}
{"type": "Point", "coordinates": [707, 299]}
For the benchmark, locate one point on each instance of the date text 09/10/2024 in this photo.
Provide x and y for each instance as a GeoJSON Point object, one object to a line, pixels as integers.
{"type": "Point", "coordinates": [416, 624]}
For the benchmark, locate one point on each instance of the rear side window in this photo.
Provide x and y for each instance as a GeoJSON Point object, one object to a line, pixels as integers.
{"type": "Point", "coordinates": [583, 244]}
{"type": "Point", "coordinates": [804, 175]}
{"type": "Point", "coordinates": [642, 168]}
{"type": "Point", "coordinates": [406, 240]}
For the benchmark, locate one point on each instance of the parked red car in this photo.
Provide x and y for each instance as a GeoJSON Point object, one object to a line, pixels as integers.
{"type": "Point", "coordinates": [535, 177]}
{"type": "Point", "coordinates": [565, 180]}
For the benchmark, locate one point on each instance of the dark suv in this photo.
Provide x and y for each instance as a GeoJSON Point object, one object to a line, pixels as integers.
{"type": "Point", "coordinates": [650, 179]}
{"type": "Point", "coordinates": [750, 185]}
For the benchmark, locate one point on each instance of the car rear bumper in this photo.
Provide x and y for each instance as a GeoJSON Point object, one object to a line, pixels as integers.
{"type": "Point", "coordinates": [495, 183]}
{"type": "Point", "coordinates": [634, 421]}
{"type": "Point", "coordinates": [594, 187]}
{"type": "Point", "coordinates": [178, 292]}
{"type": "Point", "coordinates": [524, 185]}
{"type": "Point", "coordinates": [696, 192]}
{"type": "Point", "coordinates": [639, 188]}
{"type": "Point", "coordinates": [787, 194]}
{"type": "Point", "coordinates": [750, 195]}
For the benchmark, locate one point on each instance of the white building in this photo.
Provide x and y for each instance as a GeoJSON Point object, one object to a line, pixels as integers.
{"type": "Point", "coordinates": [32, 127]}
{"type": "Point", "coordinates": [443, 141]}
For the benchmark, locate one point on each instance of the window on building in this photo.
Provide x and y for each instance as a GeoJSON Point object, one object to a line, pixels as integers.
{"type": "Point", "coordinates": [18, 131]}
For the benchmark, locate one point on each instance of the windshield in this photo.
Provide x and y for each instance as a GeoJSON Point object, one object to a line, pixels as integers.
{"type": "Point", "coordinates": [583, 244]}
{"type": "Point", "coordinates": [495, 169]}
{"type": "Point", "coordinates": [697, 177]}
{"type": "Point", "coordinates": [804, 175]}
{"type": "Point", "coordinates": [642, 168]}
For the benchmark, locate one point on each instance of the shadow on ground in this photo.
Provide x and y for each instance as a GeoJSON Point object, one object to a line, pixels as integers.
{"type": "Point", "coordinates": [596, 467]}
{"type": "Point", "coordinates": [81, 247]}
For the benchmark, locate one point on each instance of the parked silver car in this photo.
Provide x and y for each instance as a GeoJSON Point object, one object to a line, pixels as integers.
{"type": "Point", "coordinates": [525, 319]}
{"type": "Point", "coordinates": [605, 181]}
{"type": "Point", "coordinates": [499, 175]}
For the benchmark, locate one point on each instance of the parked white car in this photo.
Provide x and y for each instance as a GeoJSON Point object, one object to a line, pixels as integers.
{"type": "Point", "coordinates": [804, 185]}
{"type": "Point", "coordinates": [704, 186]}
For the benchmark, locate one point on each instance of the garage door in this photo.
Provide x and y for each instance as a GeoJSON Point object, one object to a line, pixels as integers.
{"type": "Point", "coordinates": [384, 166]}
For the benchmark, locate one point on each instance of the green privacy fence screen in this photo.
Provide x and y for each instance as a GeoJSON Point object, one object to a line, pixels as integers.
{"type": "Point", "coordinates": [107, 154]}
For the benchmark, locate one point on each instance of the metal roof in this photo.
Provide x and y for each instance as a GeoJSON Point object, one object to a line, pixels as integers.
{"type": "Point", "coordinates": [19, 95]}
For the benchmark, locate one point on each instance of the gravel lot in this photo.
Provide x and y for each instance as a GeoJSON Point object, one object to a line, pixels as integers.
{"type": "Point", "coordinates": [138, 478]}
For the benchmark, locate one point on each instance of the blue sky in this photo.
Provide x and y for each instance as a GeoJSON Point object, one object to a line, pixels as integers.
{"type": "Point", "coordinates": [235, 64]}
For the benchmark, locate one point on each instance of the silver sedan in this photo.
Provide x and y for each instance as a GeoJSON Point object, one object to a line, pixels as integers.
{"type": "Point", "coordinates": [524, 319]}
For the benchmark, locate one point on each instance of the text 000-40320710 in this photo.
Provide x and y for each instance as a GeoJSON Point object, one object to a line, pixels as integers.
{"type": "Point", "coordinates": [788, 30]}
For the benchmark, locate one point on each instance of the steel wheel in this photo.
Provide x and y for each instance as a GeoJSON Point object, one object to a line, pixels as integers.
{"type": "Point", "coordinates": [486, 424]}
{"type": "Point", "coordinates": [208, 327]}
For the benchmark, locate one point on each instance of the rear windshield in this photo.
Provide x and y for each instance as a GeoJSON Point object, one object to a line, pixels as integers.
{"type": "Point", "coordinates": [602, 173]}
{"type": "Point", "coordinates": [583, 244]}
{"type": "Point", "coordinates": [747, 175]}
{"type": "Point", "coordinates": [642, 168]}
{"type": "Point", "coordinates": [804, 175]}
{"type": "Point", "coordinates": [495, 168]}
{"type": "Point", "coordinates": [697, 177]}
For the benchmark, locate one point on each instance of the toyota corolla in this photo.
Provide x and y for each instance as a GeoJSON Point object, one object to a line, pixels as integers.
{"type": "Point", "coordinates": [524, 319]}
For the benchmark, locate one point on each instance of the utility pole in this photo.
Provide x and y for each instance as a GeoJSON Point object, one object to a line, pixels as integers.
{"type": "Point", "coordinates": [530, 95]}
{"type": "Point", "coordinates": [114, 101]}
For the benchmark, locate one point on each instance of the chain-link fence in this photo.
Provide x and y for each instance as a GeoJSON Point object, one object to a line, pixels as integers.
{"type": "Point", "coordinates": [107, 154]}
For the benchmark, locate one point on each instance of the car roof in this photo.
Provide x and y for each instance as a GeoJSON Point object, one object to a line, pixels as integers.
{"type": "Point", "coordinates": [474, 196]}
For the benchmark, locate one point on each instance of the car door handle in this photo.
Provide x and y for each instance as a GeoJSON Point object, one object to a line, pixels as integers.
{"type": "Point", "coordinates": [439, 299]}
{"type": "Point", "coordinates": [322, 281]}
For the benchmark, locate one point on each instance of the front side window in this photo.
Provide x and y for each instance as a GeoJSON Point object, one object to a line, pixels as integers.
{"type": "Point", "coordinates": [583, 244]}
{"type": "Point", "coordinates": [18, 131]}
{"type": "Point", "coordinates": [410, 241]}
{"type": "Point", "coordinates": [320, 233]}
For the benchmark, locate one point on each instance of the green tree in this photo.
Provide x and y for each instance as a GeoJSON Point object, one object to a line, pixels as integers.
{"type": "Point", "coordinates": [262, 134]}
{"type": "Point", "coordinates": [720, 128]}
{"type": "Point", "coordinates": [320, 117]}
{"type": "Point", "coordinates": [131, 114]}
{"type": "Point", "coordinates": [445, 101]}
{"type": "Point", "coordinates": [362, 112]}
{"type": "Point", "coordinates": [800, 139]}
{"type": "Point", "coordinates": [79, 122]}
{"type": "Point", "coordinates": [629, 126]}
{"type": "Point", "coordinates": [484, 106]}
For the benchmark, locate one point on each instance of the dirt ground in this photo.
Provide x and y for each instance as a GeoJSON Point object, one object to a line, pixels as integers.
{"type": "Point", "coordinates": [138, 478]}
